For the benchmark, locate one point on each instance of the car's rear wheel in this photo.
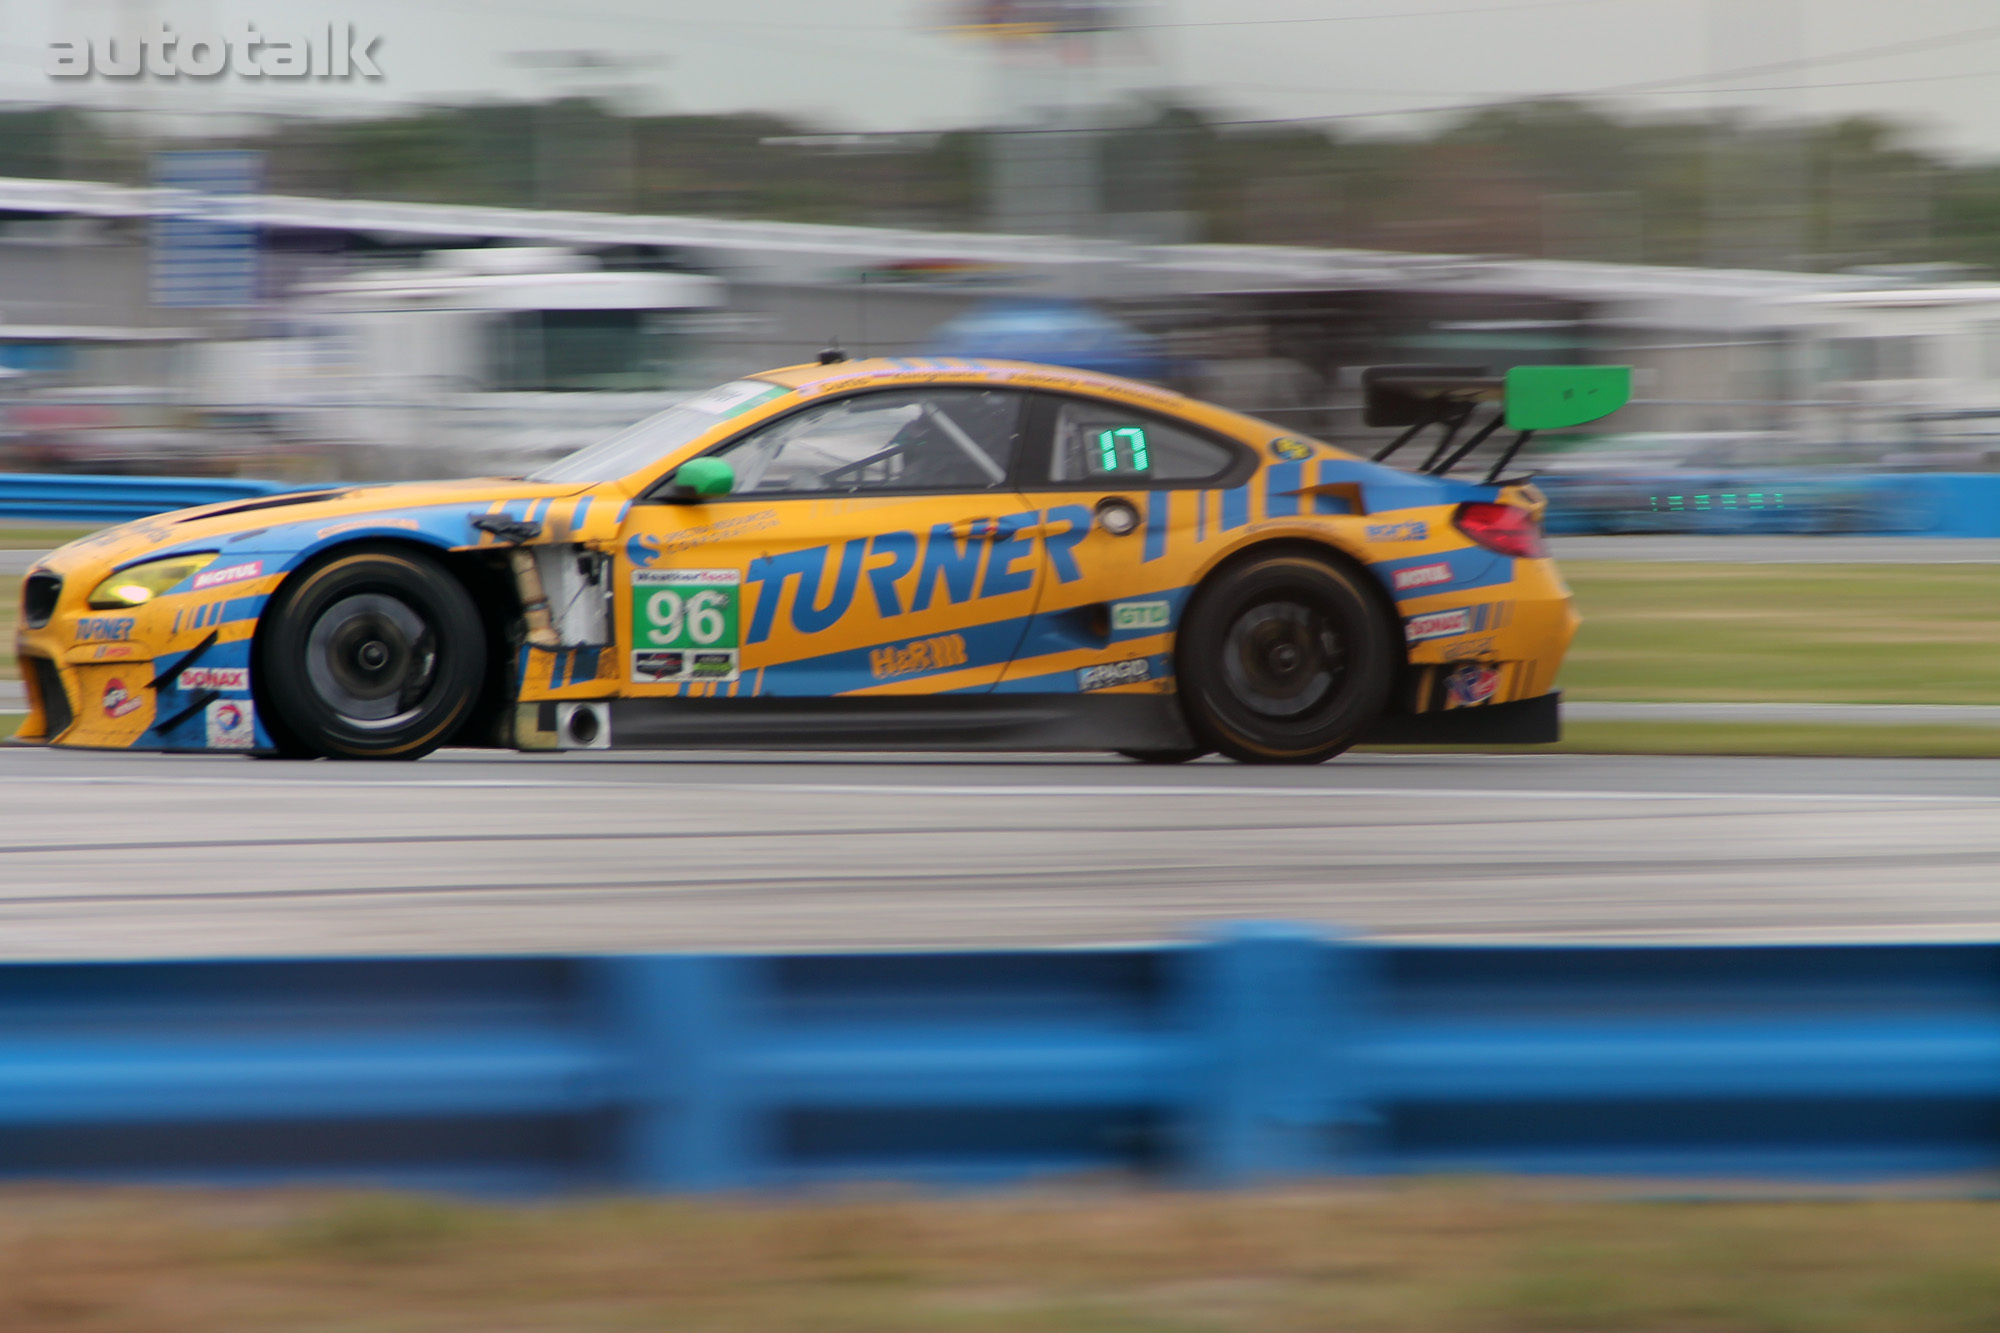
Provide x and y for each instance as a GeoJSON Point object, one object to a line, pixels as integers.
{"type": "Point", "coordinates": [373, 654]}
{"type": "Point", "coordinates": [1285, 659]}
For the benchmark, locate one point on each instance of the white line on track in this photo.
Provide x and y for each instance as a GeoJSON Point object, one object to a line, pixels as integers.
{"type": "Point", "coordinates": [1323, 793]}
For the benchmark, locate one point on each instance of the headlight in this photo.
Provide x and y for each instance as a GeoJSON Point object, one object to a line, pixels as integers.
{"type": "Point", "coordinates": [142, 583]}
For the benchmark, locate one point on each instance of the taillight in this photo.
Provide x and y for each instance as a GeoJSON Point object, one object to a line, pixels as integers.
{"type": "Point", "coordinates": [1508, 529]}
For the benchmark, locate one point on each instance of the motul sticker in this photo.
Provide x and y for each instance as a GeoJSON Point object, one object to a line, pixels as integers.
{"type": "Point", "coordinates": [1421, 576]}
{"type": "Point", "coordinates": [232, 725]}
{"type": "Point", "coordinates": [1438, 624]}
{"type": "Point", "coordinates": [215, 578]}
{"type": "Point", "coordinates": [214, 678]}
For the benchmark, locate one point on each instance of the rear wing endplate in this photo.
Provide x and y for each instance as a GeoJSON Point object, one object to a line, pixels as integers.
{"type": "Point", "coordinates": [1529, 398]}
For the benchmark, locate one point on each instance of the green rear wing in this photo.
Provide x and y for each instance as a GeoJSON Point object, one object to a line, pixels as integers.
{"type": "Point", "coordinates": [1528, 399]}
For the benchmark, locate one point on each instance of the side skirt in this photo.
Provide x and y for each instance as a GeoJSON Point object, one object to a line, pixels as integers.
{"type": "Point", "coordinates": [1535, 721]}
{"type": "Point", "coordinates": [903, 722]}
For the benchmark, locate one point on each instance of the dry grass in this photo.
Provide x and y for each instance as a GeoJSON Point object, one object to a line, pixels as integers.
{"type": "Point", "coordinates": [1435, 1259]}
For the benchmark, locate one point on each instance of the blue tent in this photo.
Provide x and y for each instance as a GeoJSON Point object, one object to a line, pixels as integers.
{"type": "Point", "coordinates": [1055, 332]}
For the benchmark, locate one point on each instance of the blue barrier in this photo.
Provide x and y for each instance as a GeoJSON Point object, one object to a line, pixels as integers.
{"type": "Point", "coordinates": [1267, 1053]}
{"type": "Point", "coordinates": [60, 498]}
{"type": "Point", "coordinates": [1915, 504]}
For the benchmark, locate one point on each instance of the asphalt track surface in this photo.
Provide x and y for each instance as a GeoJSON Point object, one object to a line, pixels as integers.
{"type": "Point", "coordinates": [105, 855]}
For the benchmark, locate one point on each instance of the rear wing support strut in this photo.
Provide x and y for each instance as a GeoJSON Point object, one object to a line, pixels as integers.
{"type": "Point", "coordinates": [1507, 456]}
{"type": "Point", "coordinates": [1530, 399]}
{"type": "Point", "coordinates": [1383, 454]}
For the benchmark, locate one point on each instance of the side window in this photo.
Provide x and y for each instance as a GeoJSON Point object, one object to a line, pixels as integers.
{"type": "Point", "coordinates": [1103, 442]}
{"type": "Point", "coordinates": [922, 440]}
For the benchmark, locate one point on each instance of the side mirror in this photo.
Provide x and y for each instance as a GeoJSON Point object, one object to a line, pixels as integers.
{"type": "Point", "coordinates": [701, 479]}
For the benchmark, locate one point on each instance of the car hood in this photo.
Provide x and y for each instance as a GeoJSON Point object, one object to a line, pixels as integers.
{"type": "Point", "coordinates": [294, 524]}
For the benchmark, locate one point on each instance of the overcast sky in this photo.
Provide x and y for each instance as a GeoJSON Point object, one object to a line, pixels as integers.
{"type": "Point", "coordinates": [880, 64]}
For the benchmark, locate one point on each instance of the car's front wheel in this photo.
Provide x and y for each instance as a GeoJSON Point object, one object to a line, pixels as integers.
{"type": "Point", "coordinates": [1285, 659]}
{"type": "Point", "coordinates": [372, 654]}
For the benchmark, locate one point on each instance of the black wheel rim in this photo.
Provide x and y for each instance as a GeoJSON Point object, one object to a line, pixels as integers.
{"type": "Point", "coordinates": [1282, 659]}
{"type": "Point", "coordinates": [372, 659]}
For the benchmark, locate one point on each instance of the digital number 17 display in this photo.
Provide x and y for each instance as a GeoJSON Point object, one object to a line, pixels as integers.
{"type": "Point", "coordinates": [1122, 450]}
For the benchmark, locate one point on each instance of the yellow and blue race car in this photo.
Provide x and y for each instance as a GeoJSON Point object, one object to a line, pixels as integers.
{"type": "Point", "coordinates": [880, 554]}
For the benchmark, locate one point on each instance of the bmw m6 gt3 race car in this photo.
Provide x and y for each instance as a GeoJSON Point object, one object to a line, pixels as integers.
{"type": "Point", "coordinates": [880, 554]}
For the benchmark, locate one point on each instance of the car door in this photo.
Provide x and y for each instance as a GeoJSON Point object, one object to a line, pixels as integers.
{"type": "Point", "coordinates": [1128, 501]}
{"type": "Point", "coordinates": [873, 543]}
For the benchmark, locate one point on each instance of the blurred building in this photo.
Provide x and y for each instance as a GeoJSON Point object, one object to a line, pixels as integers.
{"type": "Point", "coordinates": [468, 332]}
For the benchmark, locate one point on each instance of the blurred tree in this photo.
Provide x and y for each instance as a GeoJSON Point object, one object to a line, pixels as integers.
{"type": "Point", "coordinates": [1563, 179]}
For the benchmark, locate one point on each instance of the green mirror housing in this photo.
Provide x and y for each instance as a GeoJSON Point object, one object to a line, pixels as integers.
{"type": "Point", "coordinates": [1552, 397]}
{"type": "Point", "coordinates": [703, 479]}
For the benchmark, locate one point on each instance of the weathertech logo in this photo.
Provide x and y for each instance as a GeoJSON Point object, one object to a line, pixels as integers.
{"type": "Point", "coordinates": [1421, 576]}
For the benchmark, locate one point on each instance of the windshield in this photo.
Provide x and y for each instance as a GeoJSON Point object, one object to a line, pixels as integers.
{"type": "Point", "coordinates": [660, 434]}
{"type": "Point", "coordinates": [579, 351]}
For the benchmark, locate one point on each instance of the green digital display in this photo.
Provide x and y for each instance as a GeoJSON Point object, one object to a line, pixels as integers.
{"type": "Point", "coordinates": [1122, 449]}
{"type": "Point", "coordinates": [1674, 504]}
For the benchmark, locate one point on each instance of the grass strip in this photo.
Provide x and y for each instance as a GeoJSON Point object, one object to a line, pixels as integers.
{"type": "Point", "coordinates": [1892, 634]}
{"type": "Point", "coordinates": [1425, 1258]}
{"type": "Point", "coordinates": [10, 615]}
{"type": "Point", "coordinates": [1749, 738]}
{"type": "Point", "coordinates": [41, 536]}
{"type": "Point", "coordinates": [1780, 738]}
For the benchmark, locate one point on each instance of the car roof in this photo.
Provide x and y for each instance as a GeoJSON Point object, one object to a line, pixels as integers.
{"type": "Point", "coordinates": [887, 370]}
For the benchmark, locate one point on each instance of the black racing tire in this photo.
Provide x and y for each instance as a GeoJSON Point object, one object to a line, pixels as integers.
{"type": "Point", "coordinates": [372, 653]}
{"type": "Point", "coordinates": [1285, 658]}
{"type": "Point", "coordinates": [1165, 756]}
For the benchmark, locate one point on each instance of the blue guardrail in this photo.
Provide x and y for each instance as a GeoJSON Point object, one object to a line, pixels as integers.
{"type": "Point", "coordinates": [1912, 504]}
{"type": "Point", "coordinates": [1265, 1053]}
{"type": "Point", "coordinates": [55, 497]}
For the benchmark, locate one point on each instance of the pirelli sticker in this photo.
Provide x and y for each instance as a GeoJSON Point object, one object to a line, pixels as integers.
{"type": "Point", "coordinates": [1459, 620]}
{"type": "Point", "coordinates": [687, 625]}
